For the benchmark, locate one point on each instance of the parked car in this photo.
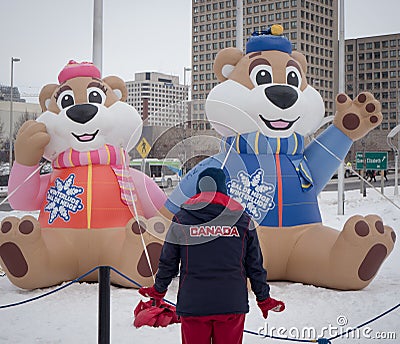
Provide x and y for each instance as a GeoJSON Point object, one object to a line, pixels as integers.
{"type": "Point", "coordinates": [4, 185]}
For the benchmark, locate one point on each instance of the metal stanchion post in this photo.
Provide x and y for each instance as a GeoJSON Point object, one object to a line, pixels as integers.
{"type": "Point", "coordinates": [104, 305]}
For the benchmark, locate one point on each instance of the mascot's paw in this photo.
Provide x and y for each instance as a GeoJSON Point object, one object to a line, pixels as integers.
{"type": "Point", "coordinates": [359, 116]}
{"type": "Point", "coordinates": [19, 240]}
{"type": "Point", "coordinates": [361, 248]}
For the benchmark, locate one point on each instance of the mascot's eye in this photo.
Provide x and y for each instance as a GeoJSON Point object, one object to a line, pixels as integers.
{"type": "Point", "coordinates": [293, 76]}
{"type": "Point", "coordinates": [261, 75]}
{"type": "Point", "coordinates": [96, 95]}
{"type": "Point", "coordinates": [65, 99]}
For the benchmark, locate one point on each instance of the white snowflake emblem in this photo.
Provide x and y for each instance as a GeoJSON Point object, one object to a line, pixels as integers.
{"type": "Point", "coordinates": [255, 195]}
{"type": "Point", "coordinates": [62, 199]}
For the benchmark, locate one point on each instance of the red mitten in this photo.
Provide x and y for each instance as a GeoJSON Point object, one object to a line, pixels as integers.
{"type": "Point", "coordinates": [152, 293]}
{"type": "Point", "coordinates": [270, 304]}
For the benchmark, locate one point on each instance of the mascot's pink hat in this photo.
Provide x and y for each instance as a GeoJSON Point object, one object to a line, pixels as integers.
{"type": "Point", "coordinates": [75, 69]}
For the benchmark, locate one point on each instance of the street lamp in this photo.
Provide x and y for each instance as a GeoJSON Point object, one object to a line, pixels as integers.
{"type": "Point", "coordinates": [186, 124]}
{"type": "Point", "coordinates": [395, 149]}
{"type": "Point", "coordinates": [185, 69]}
{"type": "Point", "coordinates": [13, 59]}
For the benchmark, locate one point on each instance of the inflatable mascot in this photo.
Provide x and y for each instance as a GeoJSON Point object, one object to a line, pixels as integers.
{"type": "Point", "coordinates": [264, 109]}
{"type": "Point", "coordinates": [93, 208]}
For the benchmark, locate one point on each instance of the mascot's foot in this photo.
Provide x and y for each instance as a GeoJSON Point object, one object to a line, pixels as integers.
{"type": "Point", "coordinates": [359, 251]}
{"type": "Point", "coordinates": [32, 260]}
{"type": "Point", "coordinates": [25, 257]}
{"type": "Point", "coordinates": [19, 240]}
{"type": "Point", "coordinates": [133, 259]}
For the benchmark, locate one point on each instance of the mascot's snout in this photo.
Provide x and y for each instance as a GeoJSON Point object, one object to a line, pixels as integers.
{"type": "Point", "coordinates": [82, 113]}
{"type": "Point", "coordinates": [282, 96]}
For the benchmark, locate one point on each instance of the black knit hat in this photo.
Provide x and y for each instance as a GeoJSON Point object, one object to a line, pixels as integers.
{"type": "Point", "coordinates": [211, 180]}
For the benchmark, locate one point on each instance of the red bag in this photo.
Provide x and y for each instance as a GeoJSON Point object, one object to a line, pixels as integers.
{"type": "Point", "coordinates": [155, 314]}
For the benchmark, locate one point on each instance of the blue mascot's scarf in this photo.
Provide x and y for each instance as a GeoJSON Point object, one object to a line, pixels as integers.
{"type": "Point", "coordinates": [258, 144]}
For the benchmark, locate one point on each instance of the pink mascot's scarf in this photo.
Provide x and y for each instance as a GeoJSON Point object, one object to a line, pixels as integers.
{"type": "Point", "coordinates": [107, 155]}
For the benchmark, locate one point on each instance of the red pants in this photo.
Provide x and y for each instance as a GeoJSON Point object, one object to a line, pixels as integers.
{"type": "Point", "coordinates": [215, 329]}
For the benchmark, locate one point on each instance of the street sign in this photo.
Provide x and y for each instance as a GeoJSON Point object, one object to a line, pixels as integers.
{"type": "Point", "coordinates": [376, 160]}
{"type": "Point", "coordinates": [359, 161]}
{"type": "Point", "coordinates": [143, 148]}
{"type": "Point", "coordinates": [372, 160]}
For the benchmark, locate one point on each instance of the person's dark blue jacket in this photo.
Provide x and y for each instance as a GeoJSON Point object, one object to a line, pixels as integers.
{"type": "Point", "coordinates": [212, 241]}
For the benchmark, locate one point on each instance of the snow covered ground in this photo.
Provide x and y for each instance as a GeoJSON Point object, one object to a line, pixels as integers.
{"type": "Point", "coordinates": [70, 316]}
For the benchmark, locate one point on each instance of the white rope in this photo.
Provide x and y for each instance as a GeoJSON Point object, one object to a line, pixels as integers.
{"type": "Point", "coordinates": [136, 215]}
{"type": "Point", "coordinates": [227, 155]}
{"type": "Point", "coordinates": [20, 185]}
{"type": "Point", "coordinates": [351, 169]}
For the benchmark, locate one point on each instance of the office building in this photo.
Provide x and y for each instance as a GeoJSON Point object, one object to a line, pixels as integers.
{"type": "Point", "coordinates": [373, 65]}
{"type": "Point", "coordinates": [5, 94]}
{"type": "Point", "coordinates": [311, 26]}
{"type": "Point", "coordinates": [159, 98]}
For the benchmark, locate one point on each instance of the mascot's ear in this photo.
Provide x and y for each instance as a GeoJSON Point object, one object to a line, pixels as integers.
{"type": "Point", "coordinates": [45, 96]}
{"type": "Point", "coordinates": [118, 86]}
{"type": "Point", "coordinates": [299, 57]}
{"type": "Point", "coordinates": [225, 62]}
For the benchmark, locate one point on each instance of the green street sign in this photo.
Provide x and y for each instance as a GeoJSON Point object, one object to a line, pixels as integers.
{"type": "Point", "coordinates": [359, 160]}
{"type": "Point", "coordinates": [376, 160]}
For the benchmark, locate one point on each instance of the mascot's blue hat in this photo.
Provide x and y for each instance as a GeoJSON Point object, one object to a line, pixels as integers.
{"type": "Point", "coordinates": [211, 180]}
{"type": "Point", "coordinates": [270, 39]}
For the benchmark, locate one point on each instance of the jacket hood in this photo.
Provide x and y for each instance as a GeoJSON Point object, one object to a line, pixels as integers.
{"type": "Point", "coordinates": [207, 206]}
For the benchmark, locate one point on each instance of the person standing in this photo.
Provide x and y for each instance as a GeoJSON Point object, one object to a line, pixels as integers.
{"type": "Point", "coordinates": [216, 246]}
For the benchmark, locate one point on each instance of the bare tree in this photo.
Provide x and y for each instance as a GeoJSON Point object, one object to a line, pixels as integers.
{"type": "Point", "coordinates": [21, 120]}
{"type": "Point", "coordinates": [4, 142]}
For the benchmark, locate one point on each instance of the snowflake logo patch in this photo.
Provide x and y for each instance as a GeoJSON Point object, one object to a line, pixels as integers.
{"type": "Point", "coordinates": [62, 199]}
{"type": "Point", "coordinates": [255, 195]}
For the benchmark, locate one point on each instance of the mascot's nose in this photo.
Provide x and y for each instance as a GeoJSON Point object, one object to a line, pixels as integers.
{"type": "Point", "coordinates": [82, 113]}
{"type": "Point", "coordinates": [281, 96]}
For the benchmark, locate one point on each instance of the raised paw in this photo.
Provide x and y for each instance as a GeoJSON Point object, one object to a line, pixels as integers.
{"type": "Point", "coordinates": [362, 246]}
{"type": "Point", "coordinates": [359, 116]}
{"type": "Point", "coordinates": [19, 239]}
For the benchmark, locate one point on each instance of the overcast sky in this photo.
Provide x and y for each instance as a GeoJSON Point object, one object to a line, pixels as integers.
{"type": "Point", "coordinates": [139, 35]}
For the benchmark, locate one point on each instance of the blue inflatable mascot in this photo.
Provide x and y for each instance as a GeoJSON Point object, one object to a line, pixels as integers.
{"type": "Point", "coordinates": [264, 109]}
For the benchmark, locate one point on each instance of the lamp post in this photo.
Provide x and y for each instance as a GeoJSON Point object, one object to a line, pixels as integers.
{"type": "Point", "coordinates": [13, 59]}
{"type": "Point", "coordinates": [395, 149]}
{"type": "Point", "coordinates": [187, 123]}
{"type": "Point", "coordinates": [341, 90]}
{"type": "Point", "coordinates": [186, 69]}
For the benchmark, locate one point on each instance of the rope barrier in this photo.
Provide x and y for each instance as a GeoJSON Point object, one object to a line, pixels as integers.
{"type": "Point", "coordinates": [319, 340]}
{"type": "Point", "coordinates": [373, 187]}
{"type": "Point", "coordinates": [50, 292]}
